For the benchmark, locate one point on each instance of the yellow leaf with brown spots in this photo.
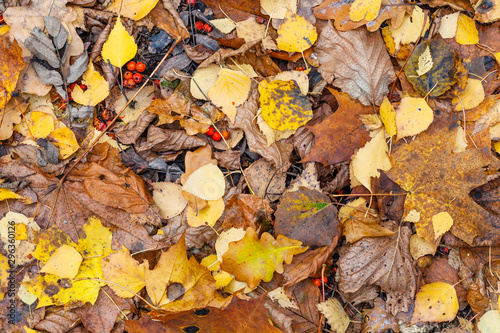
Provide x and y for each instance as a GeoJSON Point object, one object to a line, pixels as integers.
{"type": "Point", "coordinates": [283, 105]}
{"type": "Point", "coordinates": [435, 302]}
{"type": "Point", "coordinates": [11, 64]}
{"type": "Point", "coordinates": [296, 34]}
{"type": "Point", "coordinates": [364, 9]}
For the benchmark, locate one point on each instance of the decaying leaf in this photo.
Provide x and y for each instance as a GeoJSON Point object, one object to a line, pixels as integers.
{"type": "Point", "coordinates": [366, 69]}
{"type": "Point", "coordinates": [11, 65]}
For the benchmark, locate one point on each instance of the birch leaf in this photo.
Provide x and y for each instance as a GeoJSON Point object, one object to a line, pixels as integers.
{"type": "Point", "coordinates": [120, 46]}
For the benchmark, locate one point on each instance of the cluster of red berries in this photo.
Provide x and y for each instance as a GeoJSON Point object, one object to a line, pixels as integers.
{"type": "Point", "coordinates": [1, 19]}
{"type": "Point", "coordinates": [319, 282]}
{"type": "Point", "coordinates": [62, 105]}
{"type": "Point", "coordinates": [216, 136]}
{"type": "Point", "coordinates": [131, 77]}
{"type": "Point", "coordinates": [205, 27]}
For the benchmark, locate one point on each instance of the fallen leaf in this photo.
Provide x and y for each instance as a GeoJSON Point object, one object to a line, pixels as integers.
{"type": "Point", "coordinates": [441, 271]}
{"type": "Point", "coordinates": [448, 27]}
{"type": "Point", "coordinates": [168, 197]}
{"type": "Point", "coordinates": [203, 80]}
{"type": "Point", "coordinates": [334, 314]}
{"type": "Point", "coordinates": [65, 140]}
{"type": "Point", "coordinates": [295, 34]}
{"type": "Point", "coordinates": [435, 302]}
{"type": "Point", "coordinates": [278, 9]}
{"type": "Point", "coordinates": [364, 10]}
{"type": "Point", "coordinates": [467, 33]}
{"type": "Point", "coordinates": [252, 260]}
{"type": "Point", "coordinates": [97, 88]}
{"type": "Point", "coordinates": [425, 62]}
{"type": "Point", "coordinates": [246, 210]}
{"type": "Point", "coordinates": [381, 261]}
{"type": "Point", "coordinates": [125, 273]}
{"type": "Point", "coordinates": [441, 222]}
{"type": "Point", "coordinates": [263, 178]}
{"type": "Point", "coordinates": [418, 169]}
{"type": "Point", "coordinates": [366, 69]}
{"type": "Point", "coordinates": [409, 31]}
{"type": "Point", "coordinates": [162, 140]}
{"type": "Point", "coordinates": [206, 216]}
{"type": "Point", "coordinates": [250, 31]}
{"type": "Point", "coordinates": [133, 9]}
{"type": "Point", "coordinates": [419, 247]}
{"type": "Point", "coordinates": [224, 25]}
{"type": "Point", "coordinates": [413, 117]}
{"type": "Point", "coordinates": [491, 118]}
{"type": "Point", "coordinates": [11, 116]}
{"type": "Point", "coordinates": [64, 262]}
{"type": "Point", "coordinates": [207, 183]}
{"type": "Point", "coordinates": [308, 216]}
{"type": "Point", "coordinates": [12, 64]}
{"type": "Point", "coordinates": [283, 105]}
{"type": "Point", "coordinates": [388, 117]}
{"type": "Point", "coordinates": [471, 97]}
{"type": "Point", "coordinates": [489, 322]}
{"type": "Point", "coordinates": [378, 319]}
{"type": "Point", "coordinates": [41, 124]}
{"type": "Point", "coordinates": [120, 46]}
{"type": "Point", "coordinates": [339, 135]}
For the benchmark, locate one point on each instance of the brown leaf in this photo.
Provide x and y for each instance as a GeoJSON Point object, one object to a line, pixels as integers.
{"type": "Point", "coordinates": [222, 54]}
{"type": "Point", "coordinates": [145, 325]}
{"type": "Point", "coordinates": [378, 319]}
{"type": "Point", "coordinates": [229, 159]}
{"type": "Point", "coordinates": [236, 10]}
{"type": "Point", "coordinates": [303, 139]}
{"type": "Point", "coordinates": [197, 53]}
{"type": "Point", "coordinates": [265, 180]}
{"type": "Point", "coordinates": [385, 262]}
{"type": "Point", "coordinates": [476, 295]}
{"type": "Point", "coordinates": [338, 10]}
{"type": "Point", "coordinates": [339, 135]}
{"type": "Point", "coordinates": [246, 119]}
{"type": "Point", "coordinates": [134, 129]}
{"type": "Point", "coordinates": [195, 237]}
{"type": "Point", "coordinates": [166, 140]}
{"type": "Point", "coordinates": [196, 159]}
{"type": "Point", "coordinates": [261, 62]}
{"type": "Point", "coordinates": [167, 18]}
{"type": "Point", "coordinates": [441, 271]}
{"type": "Point", "coordinates": [247, 210]}
{"type": "Point", "coordinates": [307, 215]}
{"type": "Point", "coordinates": [365, 70]}
{"type": "Point", "coordinates": [57, 320]}
{"type": "Point", "coordinates": [474, 257]}
{"type": "Point", "coordinates": [11, 58]}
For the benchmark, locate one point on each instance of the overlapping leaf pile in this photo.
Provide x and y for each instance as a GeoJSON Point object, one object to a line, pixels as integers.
{"type": "Point", "coordinates": [204, 165]}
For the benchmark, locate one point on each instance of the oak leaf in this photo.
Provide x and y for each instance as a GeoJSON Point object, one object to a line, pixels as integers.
{"type": "Point", "coordinates": [422, 168]}
{"type": "Point", "coordinates": [365, 70]}
{"type": "Point", "coordinates": [252, 260]}
{"type": "Point", "coordinates": [364, 10]}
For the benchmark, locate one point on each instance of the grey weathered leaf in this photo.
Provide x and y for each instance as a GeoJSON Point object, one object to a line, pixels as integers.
{"type": "Point", "coordinates": [48, 76]}
{"type": "Point", "coordinates": [164, 140]}
{"type": "Point", "coordinates": [79, 66]}
{"type": "Point", "coordinates": [41, 46]}
{"type": "Point", "coordinates": [56, 31]}
{"type": "Point", "coordinates": [85, 111]}
{"type": "Point", "coordinates": [357, 62]}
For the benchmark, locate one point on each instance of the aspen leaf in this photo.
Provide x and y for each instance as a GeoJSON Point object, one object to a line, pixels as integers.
{"type": "Point", "coordinates": [251, 260]}
{"type": "Point", "coordinates": [230, 90]}
{"type": "Point", "coordinates": [413, 117]}
{"type": "Point", "coordinates": [409, 31]}
{"type": "Point", "coordinates": [168, 197]}
{"type": "Point", "coordinates": [206, 183]}
{"type": "Point", "coordinates": [224, 25]}
{"type": "Point", "coordinates": [296, 34]}
{"type": "Point", "coordinates": [371, 158]}
{"type": "Point", "coordinates": [97, 88]}
{"type": "Point", "coordinates": [471, 97]}
{"type": "Point", "coordinates": [419, 247]}
{"type": "Point", "coordinates": [364, 9]}
{"type": "Point", "coordinates": [300, 77]}
{"type": "Point", "coordinates": [425, 62]}
{"type": "Point", "coordinates": [283, 105]}
{"type": "Point", "coordinates": [64, 262]}
{"type": "Point", "coordinates": [133, 9]}
{"type": "Point", "coordinates": [435, 302]}
{"type": "Point", "coordinates": [124, 271]}
{"type": "Point", "coordinates": [441, 222]}
{"type": "Point", "coordinates": [202, 80]}
{"type": "Point", "coordinates": [388, 116]}
{"type": "Point", "coordinates": [41, 124]}
{"type": "Point", "coordinates": [65, 141]}
{"type": "Point", "coordinates": [120, 46]}
{"type": "Point", "coordinates": [467, 33]}
{"type": "Point", "coordinates": [206, 216]}
{"type": "Point", "coordinates": [278, 8]}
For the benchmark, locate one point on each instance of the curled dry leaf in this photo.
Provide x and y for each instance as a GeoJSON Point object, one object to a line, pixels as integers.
{"type": "Point", "coordinates": [378, 319]}
{"type": "Point", "coordinates": [265, 180]}
{"type": "Point", "coordinates": [134, 129]}
{"type": "Point", "coordinates": [366, 69]}
{"type": "Point", "coordinates": [384, 262]}
{"type": "Point", "coordinates": [166, 140]}
{"type": "Point", "coordinates": [247, 210]}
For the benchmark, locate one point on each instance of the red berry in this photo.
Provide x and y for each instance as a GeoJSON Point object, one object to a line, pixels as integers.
{"type": "Point", "coordinates": [83, 86]}
{"type": "Point", "coordinates": [324, 279]}
{"type": "Point", "coordinates": [157, 83]}
{"type": "Point", "coordinates": [259, 20]}
{"type": "Point", "coordinates": [127, 75]}
{"type": "Point", "coordinates": [443, 249]}
{"type": "Point", "coordinates": [225, 134]}
{"type": "Point", "coordinates": [129, 83]}
{"type": "Point", "coordinates": [199, 25]}
{"type": "Point", "coordinates": [190, 2]}
{"type": "Point", "coordinates": [140, 67]}
{"type": "Point", "coordinates": [131, 66]}
{"type": "Point", "coordinates": [317, 282]}
{"type": "Point", "coordinates": [210, 131]}
{"type": "Point", "coordinates": [207, 27]}
{"type": "Point", "coordinates": [101, 127]}
{"type": "Point", "coordinates": [216, 136]}
{"type": "Point", "coordinates": [137, 78]}
{"type": "Point", "coordinates": [72, 86]}
{"type": "Point", "coordinates": [1, 19]}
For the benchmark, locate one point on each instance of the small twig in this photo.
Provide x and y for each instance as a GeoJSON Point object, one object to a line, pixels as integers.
{"type": "Point", "coordinates": [117, 81]}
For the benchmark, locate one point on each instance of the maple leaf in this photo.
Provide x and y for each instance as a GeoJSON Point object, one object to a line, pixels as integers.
{"type": "Point", "coordinates": [422, 168]}
{"type": "Point", "coordinates": [339, 135]}
{"type": "Point", "coordinates": [251, 260]}
{"type": "Point", "coordinates": [365, 70]}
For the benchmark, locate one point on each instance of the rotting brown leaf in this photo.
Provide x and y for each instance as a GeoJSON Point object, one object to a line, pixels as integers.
{"type": "Point", "coordinates": [167, 140]}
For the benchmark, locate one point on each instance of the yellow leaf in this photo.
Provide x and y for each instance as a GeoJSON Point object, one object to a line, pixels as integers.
{"type": "Point", "coordinates": [224, 25]}
{"type": "Point", "coordinates": [206, 216]}
{"type": "Point", "coordinates": [41, 124]}
{"type": "Point", "coordinates": [413, 117]}
{"type": "Point", "coordinates": [222, 279]}
{"type": "Point", "coordinates": [388, 116]}
{"type": "Point", "coordinates": [133, 9]}
{"type": "Point", "coordinates": [120, 46]}
{"type": "Point", "coordinates": [8, 194]}
{"type": "Point", "coordinates": [251, 260]}
{"type": "Point", "coordinates": [283, 105]}
{"type": "Point", "coordinates": [230, 90]}
{"type": "Point", "coordinates": [10, 115]}
{"type": "Point", "coordinates": [206, 183]}
{"type": "Point", "coordinates": [410, 29]}
{"type": "Point", "coordinates": [489, 322]}
{"type": "Point", "coordinates": [441, 222]}
{"type": "Point", "coordinates": [471, 97]}
{"type": "Point", "coordinates": [497, 57]}
{"type": "Point", "coordinates": [300, 77]}
{"type": "Point", "coordinates": [250, 30]}
{"type": "Point", "coordinates": [64, 262]}
{"type": "Point", "coordinates": [226, 237]}
{"type": "Point", "coordinates": [125, 272]}
{"type": "Point", "coordinates": [4, 272]}
{"type": "Point", "coordinates": [278, 8]}
{"type": "Point", "coordinates": [448, 26]}
{"type": "Point", "coordinates": [202, 80]}
{"type": "Point", "coordinates": [435, 302]}
{"type": "Point", "coordinates": [467, 33]}
{"type": "Point", "coordinates": [425, 62]}
{"type": "Point", "coordinates": [364, 9]}
{"type": "Point", "coordinates": [65, 141]}
{"type": "Point", "coordinates": [419, 247]}
{"type": "Point", "coordinates": [296, 34]}
{"type": "Point", "coordinates": [4, 29]}
{"type": "Point", "coordinates": [97, 88]}
{"type": "Point", "coordinates": [335, 314]}
{"type": "Point", "coordinates": [168, 197]}
{"type": "Point", "coordinates": [371, 158]}
{"type": "Point", "coordinates": [271, 134]}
